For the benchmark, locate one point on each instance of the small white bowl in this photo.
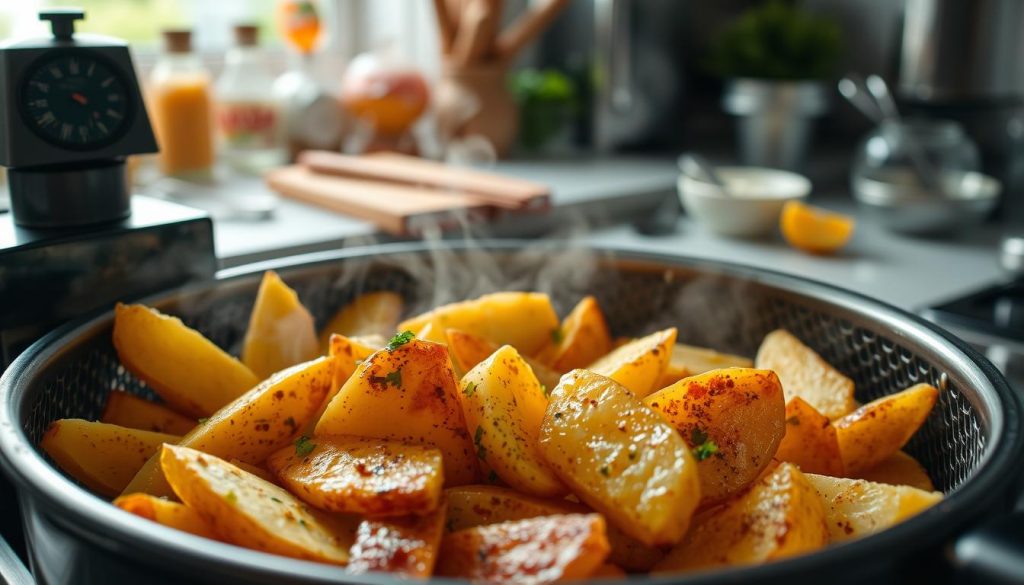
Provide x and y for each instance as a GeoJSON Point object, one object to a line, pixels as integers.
{"type": "Point", "coordinates": [755, 200]}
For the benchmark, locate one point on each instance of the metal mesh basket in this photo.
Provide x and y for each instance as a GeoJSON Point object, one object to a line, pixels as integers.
{"type": "Point", "coordinates": [724, 307]}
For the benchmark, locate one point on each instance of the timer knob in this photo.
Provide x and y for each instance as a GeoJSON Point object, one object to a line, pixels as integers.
{"type": "Point", "coordinates": [62, 21]}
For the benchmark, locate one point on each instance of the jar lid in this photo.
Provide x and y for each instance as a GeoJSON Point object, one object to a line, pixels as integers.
{"type": "Point", "coordinates": [247, 35]}
{"type": "Point", "coordinates": [177, 40]}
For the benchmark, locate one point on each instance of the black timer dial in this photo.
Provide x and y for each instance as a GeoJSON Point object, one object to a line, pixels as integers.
{"type": "Point", "coordinates": [75, 100]}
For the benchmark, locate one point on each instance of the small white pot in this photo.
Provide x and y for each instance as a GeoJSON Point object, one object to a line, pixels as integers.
{"type": "Point", "coordinates": [755, 200]}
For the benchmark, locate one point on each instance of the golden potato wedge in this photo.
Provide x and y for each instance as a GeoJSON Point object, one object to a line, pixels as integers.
{"type": "Point", "coordinates": [805, 374]}
{"type": "Point", "coordinates": [258, 423]}
{"type": "Point", "coordinates": [689, 360]}
{"type": "Point", "coordinates": [431, 332]}
{"type": "Point", "coordinates": [256, 470]}
{"type": "Point", "coordinates": [781, 516]}
{"type": "Point", "coordinates": [810, 441]}
{"type": "Point", "coordinates": [347, 353]}
{"type": "Point", "coordinates": [526, 552]}
{"type": "Point", "coordinates": [503, 405]}
{"type": "Point", "coordinates": [281, 332]}
{"type": "Point", "coordinates": [245, 510]}
{"type": "Point", "coordinates": [102, 456]}
{"type": "Point", "coordinates": [128, 410]}
{"type": "Point", "coordinates": [523, 320]}
{"type": "Point", "coordinates": [479, 505]}
{"type": "Point", "coordinates": [856, 508]}
{"type": "Point", "coordinates": [581, 340]}
{"type": "Point", "coordinates": [356, 475]}
{"type": "Point", "coordinates": [468, 350]}
{"type": "Point", "coordinates": [173, 514]}
{"type": "Point", "coordinates": [620, 457]}
{"type": "Point", "coordinates": [372, 313]}
{"type": "Point", "coordinates": [638, 365]}
{"type": "Point", "coordinates": [406, 546]}
{"type": "Point", "coordinates": [898, 469]}
{"type": "Point", "coordinates": [733, 419]}
{"type": "Point", "coordinates": [191, 374]}
{"type": "Point", "coordinates": [408, 395]}
{"type": "Point", "coordinates": [878, 429]}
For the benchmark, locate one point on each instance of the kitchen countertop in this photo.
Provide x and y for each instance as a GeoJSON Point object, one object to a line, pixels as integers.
{"type": "Point", "coordinates": [910, 273]}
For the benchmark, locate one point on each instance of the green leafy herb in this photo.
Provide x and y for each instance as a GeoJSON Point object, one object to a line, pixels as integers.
{"type": "Point", "coordinates": [203, 420]}
{"type": "Point", "coordinates": [793, 420]}
{"type": "Point", "coordinates": [303, 446]}
{"type": "Point", "coordinates": [278, 500]}
{"type": "Point", "coordinates": [470, 389]}
{"type": "Point", "coordinates": [481, 451]}
{"type": "Point", "coordinates": [394, 378]}
{"type": "Point", "coordinates": [544, 389]}
{"type": "Point", "coordinates": [399, 340]}
{"type": "Point", "coordinates": [303, 524]}
{"type": "Point", "coordinates": [556, 335]}
{"type": "Point", "coordinates": [604, 470]}
{"type": "Point", "coordinates": [231, 498]}
{"type": "Point", "coordinates": [703, 447]}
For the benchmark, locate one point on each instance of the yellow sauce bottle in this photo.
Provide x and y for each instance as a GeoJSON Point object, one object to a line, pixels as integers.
{"type": "Point", "coordinates": [181, 109]}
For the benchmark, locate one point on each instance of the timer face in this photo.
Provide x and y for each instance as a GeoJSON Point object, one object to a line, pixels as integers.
{"type": "Point", "coordinates": [75, 100]}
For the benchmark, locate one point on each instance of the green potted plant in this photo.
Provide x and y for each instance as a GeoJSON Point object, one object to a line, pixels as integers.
{"type": "Point", "coordinates": [776, 59]}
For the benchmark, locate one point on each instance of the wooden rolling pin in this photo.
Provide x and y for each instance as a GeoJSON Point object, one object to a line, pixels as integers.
{"type": "Point", "coordinates": [496, 190]}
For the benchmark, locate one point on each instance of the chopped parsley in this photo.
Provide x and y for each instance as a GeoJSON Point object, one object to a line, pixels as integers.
{"type": "Point", "coordinates": [231, 498]}
{"type": "Point", "coordinates": [793, 420]}
{"type": "Point", "coordinates": [399, 340]}
{"type": "Point", "coordinates": [303, 523]}
{"type": "Point", "coordinates": [303, 446]}
{"type": "Point", "coordinates": [203, 420]}
{"type": "Point", "coordinates": [278, 500]}
{"type": "Point", "coordinates": [481, 451]}
{"type": "Point", "coordinates": [556, 335]}
{"type": "Point", "coordinates": [544, 389]}
{"type": "Point", "coordinates": [394, 378]}
{"type": "Point", "coordinates": [703, 447]}
{"type": "Point", "coordinates": [470, 389]}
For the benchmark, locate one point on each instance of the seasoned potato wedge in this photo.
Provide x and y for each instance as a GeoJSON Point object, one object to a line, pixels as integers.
{"type": "Point", "coordinates": [898, 469]}
{"type": "Point", "coordinates": [733, 419]}
{"type": "Point", "coordinates": [781, 516]}
{"type": "Point", "coordinates": [356, 475]}
{"type": "Point", "coordinates": [878, 429]}
{"type": "Point", "coordinates": [407, 395]}
{"type": "Point", "coordinates": [620, 457]}
{"type": "Point", "coordinates": [523, 320]}
{"type": "Point", "coordinates": [406, 546]}
{"type": "Point", "coordinates": [245, 510]}
{"type": "Point", "coordinates": [281, 332]}
{"type": "Point", "coordinates": [173, 514]}
{"type": "Point", "coordinates": [689, 360]}
{"type": "Point", "coordinates": [347, 353]}
{"type": "Point", "coordinates": [805, 374]}
{"type": "Point", "coordinates": [639, 364]}
{"type": "Point", "coordinates": [258, 423]}
{"type": "Point", "coordinates": [810, 441]}
{"type": "Point", "coordinates": [187, 370]}
{"type": "Point", "coordinates": [527, 552]}
{"type": "Point", "coordinates": [372, 313]}
{"type": "Point", "coordinates": [102, 456]}
{"type": "Point", "coordinates": [856, 508]}
{"type": "Point", "coordinates": [128, 410]}
{"type": "Point", "coordinates": [468, 350]}
{"type": "Point", "coordinates": [503, 405]}
{"type": "Point", "coordinates": [256, 470]}
{"type": "Point", "coordinates": [581, 340]}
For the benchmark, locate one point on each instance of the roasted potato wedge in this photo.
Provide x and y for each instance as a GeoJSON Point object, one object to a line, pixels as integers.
{"type": "Point", "coordinates": [468, 350]}
{"type": "Point", "coordinates": [878, 429]}
{"type": "Point", "coordinates": [191, 374]}
{"type": "Point", "coordinates": [856, 508]}
{"type": "Point", "coordinates": [128, 410]}
{"type": "Point", "coordinates": [781, 516]}
{"type": "Point", "coordinates": [620, 457]}
{"type": "Point", "coordinates": [689, 360]}
{"type": "Point", "coordinates": [805, 374]}
{"type": "Point", "coordinates": [372, 313]}
{"type": "Point", "coordinates": [733, 419]}
{"type": "Point", "coordinates": [810, 441]}
{"type": "Point", "coordinates": [245, 510]}
{"type": "Point", "coordinates": [102, 456]}
{"type": "Point", "coordinates": [898, 469]}
{"type": "Point", "coordinates": [523, 320]}
{"type": "Point", "coordinates": [527, 552]}
{"type": "Point", "coordinates": [347, 353]}
{"type": "Point", "coordinates": [257, 470]}
{"type": "Point", "coordinates": [281, 332]}
{"type": "Point", "coordinates": [639, 364]}
{"type": "Point", "coordinates": [407, 394]}
{"type": "Point", "coordinates": [503, 405]}
{"type": "Point", "coordinates": [582, 339]}
{"type": "Point", "coordinates": [258, 423]}
{"type": "Point", "coordinates": [173, 514]}
{"type": "Point", "coordinates": [406, 546]}
{"type": "Point", "coordinates": [356, 475]}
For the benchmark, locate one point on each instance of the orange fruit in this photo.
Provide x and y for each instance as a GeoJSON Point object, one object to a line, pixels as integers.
{"type": "Point", "coordinates": [813, 229]}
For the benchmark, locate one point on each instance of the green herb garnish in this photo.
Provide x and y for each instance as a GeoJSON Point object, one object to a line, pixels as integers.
{"type": "Point", "coordinates": [470, 389]}
{"type": "Point", "coordinates": [481, 451]}
{"type": "Point", "coordinates": [203, 420]}
{"type": "Point", "coordinates": [276, 500]}
{"type": "Point", "coordinates": [394, 378]}
{"type": "Point", "coordinates": [556, 335]}
{"type": "Point", "coordinates": [303, 446]}
{"type": "Point", "coordinates": [703, 447]}
{"type": "Point", "coordinates": [399, 340]}
{"type": "Point", "coordinates": [231, 498]}
{"type": "Point", "coordinates": [544, 389]}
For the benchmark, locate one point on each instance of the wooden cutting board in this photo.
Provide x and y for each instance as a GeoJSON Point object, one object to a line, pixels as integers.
{"type": "Point", "coordinates": [396, 208]}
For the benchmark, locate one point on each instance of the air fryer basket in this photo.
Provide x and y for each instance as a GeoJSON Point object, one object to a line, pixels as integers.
{"type": "Point", "coordinates": [970, 445]}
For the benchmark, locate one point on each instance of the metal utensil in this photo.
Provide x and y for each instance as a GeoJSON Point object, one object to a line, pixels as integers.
{"type": "Point", "coordinates": [851, 88]}
{"type": "Point", "coordinates": [701, 168]}
{"type": "Point", "coordinates": [926, 173]}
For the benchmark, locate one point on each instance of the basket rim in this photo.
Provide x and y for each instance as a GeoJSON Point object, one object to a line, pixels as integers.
{"type": "Point", "coordinates": [93, 517]}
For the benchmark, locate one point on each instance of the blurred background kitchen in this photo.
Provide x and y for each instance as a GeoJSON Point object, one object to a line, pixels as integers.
{"type": "Point", "coordinates": [875, 144]}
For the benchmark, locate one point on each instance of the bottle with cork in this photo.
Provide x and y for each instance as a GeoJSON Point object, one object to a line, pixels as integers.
{"type": "Point", "coordinates": [181, 109]}
{"type": "Point", "coordinates": [249, 120]}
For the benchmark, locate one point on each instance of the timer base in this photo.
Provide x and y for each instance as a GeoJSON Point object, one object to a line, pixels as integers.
{"type": "Point", "coordinates": [69, 195]}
